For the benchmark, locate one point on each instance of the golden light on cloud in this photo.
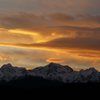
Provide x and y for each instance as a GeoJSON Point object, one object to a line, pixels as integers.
{"type": "Point", "coordinates": [6, 58]}
{"type": "Point", "coordinates": [37, 37]}
{"type": "Point", "coordinates": [23, 32]}
{"type": "Point", "coordinates": [55, 35]}
{"type": "Point", "coordinates": [86, 54]}
{"type": "Point", "coordinates": [55, 60]}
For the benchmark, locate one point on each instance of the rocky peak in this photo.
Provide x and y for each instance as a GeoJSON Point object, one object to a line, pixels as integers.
{"type": "Point", "coordinates": [55, 66]}
{"type": "Point", "coordinates": [6, 66]}
{"type": "Point", "coordinates": [52, 65]}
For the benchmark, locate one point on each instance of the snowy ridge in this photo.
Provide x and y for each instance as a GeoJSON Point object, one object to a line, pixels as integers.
{"type": "Point", "coordinates": [8, 72]}
{"type": "Point", "coordinates": [51, 71]}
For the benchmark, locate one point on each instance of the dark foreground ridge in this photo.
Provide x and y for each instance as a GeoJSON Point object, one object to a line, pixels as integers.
{"type": "Point", "coordinates": [52, 77]}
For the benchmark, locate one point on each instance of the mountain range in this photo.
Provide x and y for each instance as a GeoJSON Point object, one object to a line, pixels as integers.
{"type": "Point", "coordinates": [52, 72]}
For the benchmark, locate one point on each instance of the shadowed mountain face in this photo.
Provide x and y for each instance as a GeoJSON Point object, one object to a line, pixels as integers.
{"type": "Point", "coordinates": [51, 72]}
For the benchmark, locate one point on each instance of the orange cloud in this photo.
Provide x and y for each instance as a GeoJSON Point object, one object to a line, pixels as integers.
{"type": "Point", "coordinates": [4, 57]}
{"type": "Point", "coordinates": [55, 60]}
{"type": "Point", "coordinates": [20, 31]}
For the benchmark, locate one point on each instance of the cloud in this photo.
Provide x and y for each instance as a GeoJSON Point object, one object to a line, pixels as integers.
{"type": "Point", "coordinates": [91, 54]}
{"type": "Point", "coordinates": [25, 20]}
{"type": "Point", "coordinates": [90, 46]}
{"type": "Point", "coordinates": [26, 57]}
{"type": "Point", "coordinates": [33, 55]}
{"type": "Point", "coordinates": [68, 43]}
{"type": "Point", "coordinates": [5, 58]}
{"type": "Point", "coordinates": [55, 22]}
{"type": "Point", "coordinates": [55, 60]}
{"type": "Point", "coordinates": [21, 20]}
{"type": "Point", "coordinates": [7, 37]}
{"type": "Point", "coordinates": [46, 6]}
{"type": "Point", "coordinates": [55, 30]}
{"type": "Point", "coordinates": [22, 26]}
{"type": "Point", "coordinates": [61, 17]}
{"type": "Point", "coordinates": [59, 23]}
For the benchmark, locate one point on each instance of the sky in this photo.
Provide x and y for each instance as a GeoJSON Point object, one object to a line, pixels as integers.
{"type": "Point", "coordinates": [37, 32]}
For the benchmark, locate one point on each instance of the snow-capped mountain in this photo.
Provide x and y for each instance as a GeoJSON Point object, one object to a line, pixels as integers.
{"type": "Point", "coordinates": [66, 74]}
{"type": "Point", "coordinates": [51, 71]}
{"type": "Point", "coordinates": [8, 72]}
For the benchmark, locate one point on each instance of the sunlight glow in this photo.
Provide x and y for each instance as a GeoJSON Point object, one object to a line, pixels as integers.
{"type": "Point", "coordinates": [22, 32]}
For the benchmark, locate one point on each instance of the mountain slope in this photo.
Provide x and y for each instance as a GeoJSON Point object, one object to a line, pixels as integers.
{"type": "Point", "coordinates": [66, 74]}
{"type": "Point", "coordinates": [52, 71]}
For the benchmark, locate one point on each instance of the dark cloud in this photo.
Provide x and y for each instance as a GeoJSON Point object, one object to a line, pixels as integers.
{"type": "Point", "coordinates": [30, 20]}
{"type": "Point", "coordinates": [80, 43]}
{"type": "Point", "coordinates": [68, 43]}
{"type": "Point", "coordinates": [50, 6]}
{"type": "Point", "coordinates": [22, 20]}
{"type": "Point", "coordinates": [61, 17]}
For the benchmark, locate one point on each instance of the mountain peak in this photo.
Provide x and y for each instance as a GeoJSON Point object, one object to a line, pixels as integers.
{"type": "Point", "coordinates": [7, 66]}
{"type": "Point", "coordinates": [8, 72]}
{"type": "Point", "coordinates": [53, 65]}
{"type": "Point", "coordinates": [92, 69]}
{"type": "Point", "coordinates": [59, 66]}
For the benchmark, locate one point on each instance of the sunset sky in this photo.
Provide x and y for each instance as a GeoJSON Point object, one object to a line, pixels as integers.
{"type": "Point", "coordinates": [36, 32]}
